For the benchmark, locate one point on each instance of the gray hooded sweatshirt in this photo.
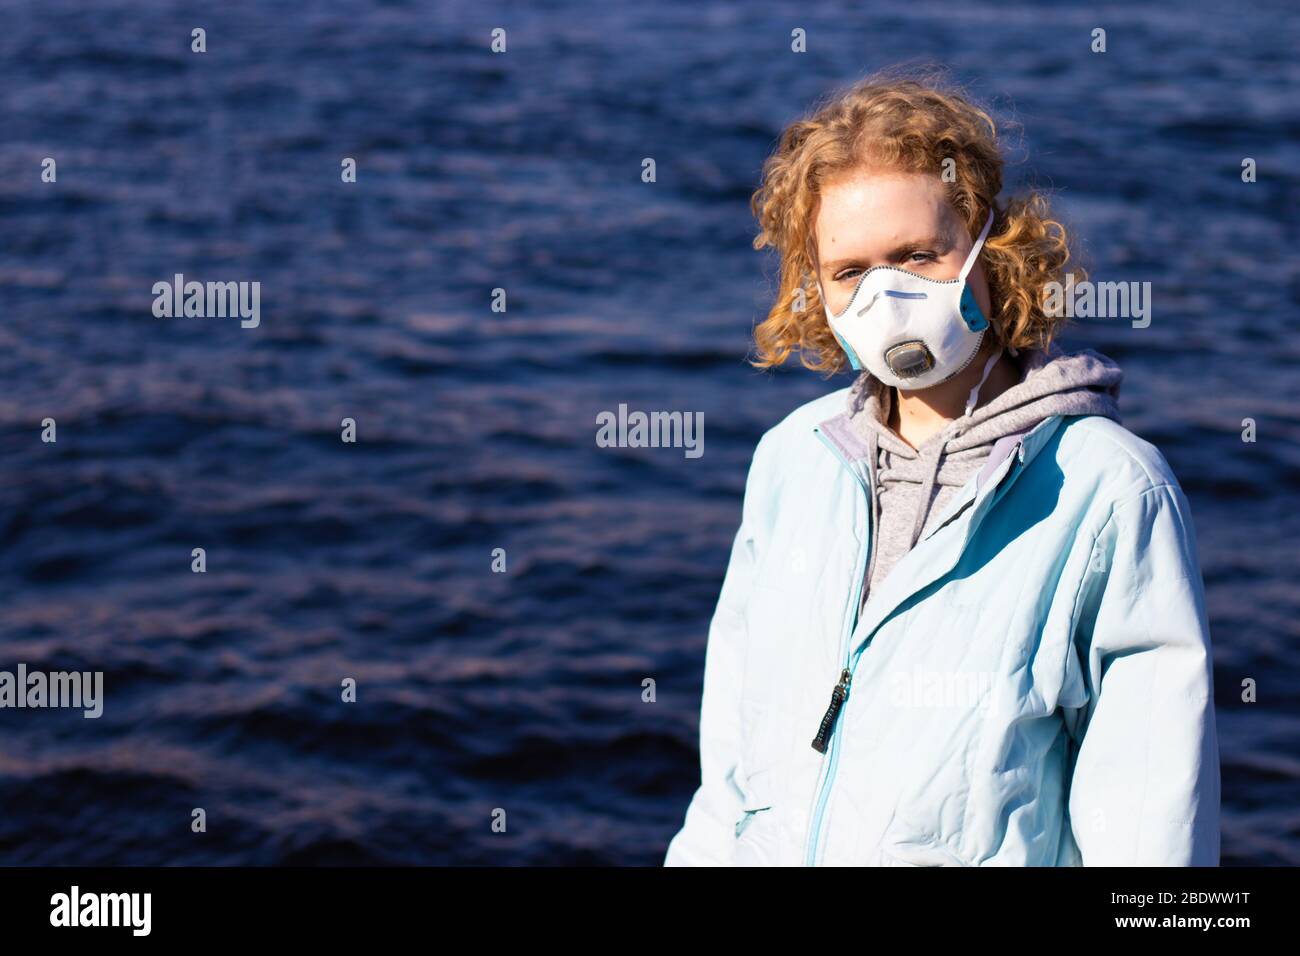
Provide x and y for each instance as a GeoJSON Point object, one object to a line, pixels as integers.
{"type": "Point", "coordinates": [915, 485]}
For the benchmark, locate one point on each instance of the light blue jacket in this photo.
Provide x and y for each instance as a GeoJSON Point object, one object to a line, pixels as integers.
{"type": "Point", "coordinates": [1031, 685]}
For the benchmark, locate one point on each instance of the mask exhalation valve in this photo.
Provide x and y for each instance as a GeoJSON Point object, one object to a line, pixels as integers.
{"type": "Point", "coordinates": [909, 359]}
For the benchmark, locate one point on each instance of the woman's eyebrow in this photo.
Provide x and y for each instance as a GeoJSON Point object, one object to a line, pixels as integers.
{"type": "Point", "coordinates": [938, 243]}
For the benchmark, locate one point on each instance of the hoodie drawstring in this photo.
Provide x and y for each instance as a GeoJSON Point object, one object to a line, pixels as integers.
{"type": "Point", "coordinates": [975, 392]}
{"type": "Point", "coordinates": [927, 487]}
{"type": "Point", "coordinates": [925, 494]}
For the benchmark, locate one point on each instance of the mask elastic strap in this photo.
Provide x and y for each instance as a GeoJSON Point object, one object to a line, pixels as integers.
{"type": "Point", "coordinates": [975, 392]}
{"type": "Point", "coordinates": [975, 249]}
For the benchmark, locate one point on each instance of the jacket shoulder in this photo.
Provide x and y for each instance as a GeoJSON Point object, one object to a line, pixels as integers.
{"type": "Point", "coordinates": [787, 450]}
{"type": "Point", "coordinates": [1126, 463]}
{"type": "Point", "coordinates": [797, 427]}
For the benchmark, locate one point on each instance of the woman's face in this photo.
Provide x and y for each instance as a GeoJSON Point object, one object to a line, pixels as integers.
{"type": "Point", "coordinates": [889, 218]}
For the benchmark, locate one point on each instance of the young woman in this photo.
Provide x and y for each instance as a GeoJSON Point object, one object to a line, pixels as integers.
{"type": "Point", "coordinates": [963, 622]}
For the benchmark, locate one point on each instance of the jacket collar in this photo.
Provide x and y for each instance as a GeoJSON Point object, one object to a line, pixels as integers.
{"type": "Point", "coordinates": [942, 547]}
{"type": "Point", "coordinates": [855, 453]}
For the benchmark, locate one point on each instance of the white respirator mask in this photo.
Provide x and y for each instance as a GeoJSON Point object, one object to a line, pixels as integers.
{"type": "Point", "coordinates": [910, 331]}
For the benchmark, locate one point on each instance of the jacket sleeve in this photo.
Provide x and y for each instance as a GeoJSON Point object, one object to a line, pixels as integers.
{"type": "Point", "coordinates": [1144, 789]}
{"type": "Point", "coordinates": [708, 834]}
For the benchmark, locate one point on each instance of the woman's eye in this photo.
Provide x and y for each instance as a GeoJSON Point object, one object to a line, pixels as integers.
{"type": "Point", "coordinates": [852, 273]}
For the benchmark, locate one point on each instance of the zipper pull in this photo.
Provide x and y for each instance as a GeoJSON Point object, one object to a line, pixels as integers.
{"type": "Point", "coordinates": [838, 695]}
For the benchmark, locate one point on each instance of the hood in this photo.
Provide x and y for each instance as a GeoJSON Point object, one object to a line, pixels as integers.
{"type": "Point", "coordinates": [1052, 383]}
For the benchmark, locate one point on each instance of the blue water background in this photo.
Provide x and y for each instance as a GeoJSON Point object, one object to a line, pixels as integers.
{"type": "Point", "coordinates": [326, 560]}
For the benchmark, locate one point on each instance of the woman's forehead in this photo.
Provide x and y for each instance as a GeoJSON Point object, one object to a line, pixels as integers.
{"type": "Point", "coordinates": [881, 210]}
{"type": "Point", "coordinates": [883, 194]}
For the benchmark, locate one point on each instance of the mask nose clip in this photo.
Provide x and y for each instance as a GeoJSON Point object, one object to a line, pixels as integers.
{"type": "Point", "coordinates": [909, 359]}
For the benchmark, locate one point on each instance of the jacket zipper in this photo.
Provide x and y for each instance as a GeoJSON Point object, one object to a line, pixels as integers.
{"type": "Point", "coordinates": [830, 724]}
{"type": "Point", "coordinates": [840, 692]}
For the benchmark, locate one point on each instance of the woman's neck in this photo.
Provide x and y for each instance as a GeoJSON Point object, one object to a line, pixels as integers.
{"type": "Point", "coordinates": [916, 416]}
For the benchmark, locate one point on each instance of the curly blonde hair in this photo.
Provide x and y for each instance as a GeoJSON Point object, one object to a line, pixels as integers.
{"type": "Point", "coordinates": [910, 123]}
